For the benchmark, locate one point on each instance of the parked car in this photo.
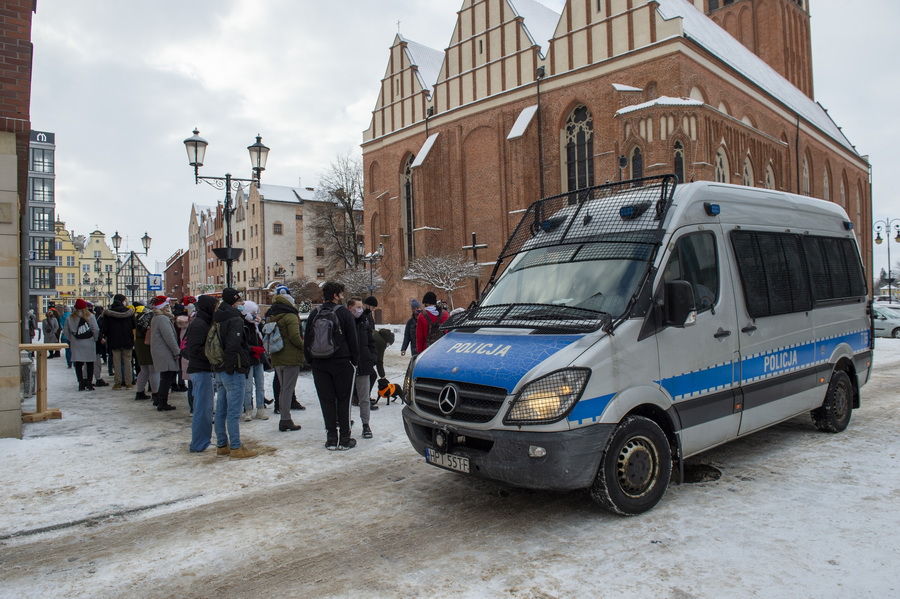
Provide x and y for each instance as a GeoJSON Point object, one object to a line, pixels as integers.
{"type": "Point", "coordinates": [887, 322]}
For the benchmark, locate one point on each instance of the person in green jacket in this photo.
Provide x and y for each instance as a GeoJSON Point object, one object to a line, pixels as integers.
{"type": "Point", "coordinates": [289, 360]}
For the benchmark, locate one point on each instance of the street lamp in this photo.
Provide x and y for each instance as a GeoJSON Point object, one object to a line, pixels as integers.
{"type": "Point", "coordinates": [887, 223]}
{"type": "Point", "coordinates": [371, 259]}
{"type": "Point", "coordinates": [117, 243]}
{"type": "Point", "coordinates": [196, 151]}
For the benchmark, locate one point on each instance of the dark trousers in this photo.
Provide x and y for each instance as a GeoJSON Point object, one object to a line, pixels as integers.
{"type": "Point", "coordinates": [334, 384]}
{"type": "Point", "coordinates": [166, 378]}
{"type": "Point", "coordinates": [88, 377]}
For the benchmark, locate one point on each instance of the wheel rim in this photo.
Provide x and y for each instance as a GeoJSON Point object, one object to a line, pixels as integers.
{"type": "Point", "coordinates": [637, 466]}
{"type": "Point", "coordinates": [896, 334]}
{"type": "Point", "coordinates": [841, 403]}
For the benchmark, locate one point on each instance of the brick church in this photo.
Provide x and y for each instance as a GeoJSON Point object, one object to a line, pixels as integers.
{"type": "Point", "coordinates": [526, 103]}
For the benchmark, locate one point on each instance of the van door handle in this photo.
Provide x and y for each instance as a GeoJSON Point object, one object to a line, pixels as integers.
{"type": "Point", "coordinates": [721, 333]}
{"type": "Point", "coordinates": [748, 329]}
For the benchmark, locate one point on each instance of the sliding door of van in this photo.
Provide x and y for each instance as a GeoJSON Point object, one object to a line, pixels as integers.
{"type": "Point", "coordinates": [698, 363]}
{"type": "Point", "coordinates": [776, 328]}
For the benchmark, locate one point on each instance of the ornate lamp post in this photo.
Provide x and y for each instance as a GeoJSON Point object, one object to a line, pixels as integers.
{"type": "Point", "coordinates": [887, 224]}
{"type": "Point", "coordinates": [117, 243]}
{"type": "Point", "coordinates": [372, 258]}
{"type": "Point", "coordinates": [196, 151]}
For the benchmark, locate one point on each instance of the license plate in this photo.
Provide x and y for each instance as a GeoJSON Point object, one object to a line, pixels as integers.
{"type": "Point", "coordinates": [447, 460]}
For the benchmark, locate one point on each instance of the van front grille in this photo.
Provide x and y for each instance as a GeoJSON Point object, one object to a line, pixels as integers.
{"type": "Point", "coordinates": [477, 403]}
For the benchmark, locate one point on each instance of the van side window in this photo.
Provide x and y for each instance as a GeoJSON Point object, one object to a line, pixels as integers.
{"type": "Point", "coordinates": [834, 268]}
{"type": "Point", "coordinates": [694, 260]}
{"type": "Point", "coordinates": [774, 274]}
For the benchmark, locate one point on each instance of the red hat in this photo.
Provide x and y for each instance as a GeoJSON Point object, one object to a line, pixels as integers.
{"type": "Point", "coordinates": [80, 304]}
{"type": "Point", "coordinates": [159, 302]}
{"type": "Point", "coordinates": [188, 300]}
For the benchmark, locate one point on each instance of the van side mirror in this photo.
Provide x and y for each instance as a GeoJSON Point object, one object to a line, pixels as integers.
{"type": "Point", "coordinates": [679, 304]}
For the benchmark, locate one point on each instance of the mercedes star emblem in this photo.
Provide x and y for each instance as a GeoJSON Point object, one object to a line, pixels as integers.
{"type": "Point", "coordinates": [448, 399]}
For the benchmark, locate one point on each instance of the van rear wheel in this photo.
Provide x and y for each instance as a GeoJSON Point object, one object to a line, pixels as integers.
{"type": "Point", "coordinates": [834, 415]}
{"type": "Point", "coordinates": [635, 468]}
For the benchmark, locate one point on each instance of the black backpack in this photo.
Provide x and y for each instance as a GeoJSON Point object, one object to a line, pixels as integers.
{"type": "Point", "coordinates": [143, 321]}
{"type": "Point", "coordinates": [434, 331]}
{"type": "Point", "coordinates": [326, 333]}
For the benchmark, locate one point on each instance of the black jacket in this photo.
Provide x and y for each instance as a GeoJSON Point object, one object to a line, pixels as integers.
{"type": "Point", "coordinates": [234, 341]}
{"type": "Point", "coordinates": [409, 336]}
{"type": "Point", "coordinates": [367, 351]}
{"type": "Point", "coordinates": [117, 325]}
{"type": "Point", "coordinates": [196, 335]}
{"type": "Point", "coordinates": [349, 349]}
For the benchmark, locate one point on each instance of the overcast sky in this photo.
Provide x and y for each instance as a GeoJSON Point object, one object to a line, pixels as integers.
{"type": "Point", "coordinates": [123, 82]}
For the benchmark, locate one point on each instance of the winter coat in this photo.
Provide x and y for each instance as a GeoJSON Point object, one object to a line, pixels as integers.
{"type": "Point", "coordinates": [141, 350]}
{"type": "Point", "coordinates": [349, 349]}
{"type": "Point", "coordinates": [196, 335]}
{"type": "Point", "coordinates": [83, 350]}
{"type": "Point", "coordinates": [383, 338]}
{"type": "Point", "coordinates": [62, 325]}
{"type": "Point", "coordinates": [287, 317]}
{"type": "Point", "coordinates": [367, 350]}
{"type": "Point", "coordinates": [50, 326]}
{"type": "Point", "coordinates": [251, 332]}
{"type": "Point", "coordinates": [234, 342]}
{"type": "Point", "coordinates": [181, 325]}
{"type": "Point", "coordinates": [164, 342]}
{"type": "Point", "coordinates": [409, 335]}
{"type": "Point", "coordinates": [422, 327]}
{"type": "Point", "coordinates": [118, 326]}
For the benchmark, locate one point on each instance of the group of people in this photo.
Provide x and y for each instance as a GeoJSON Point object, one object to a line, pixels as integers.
{"type": "Point", "coordinates": [164, 344]}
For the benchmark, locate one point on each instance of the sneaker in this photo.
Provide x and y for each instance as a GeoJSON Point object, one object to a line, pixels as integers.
{"type": "Point", "coordinates": [261, 414]}
{"type": "Point", "coordinates": [117, 387]}
{"type": "Point", "coordinates": [373, 408]}
{"type": "Point", "coordinates": [331, 444]}
{"type": "Point", "coordinates": [346, 444]}
{"type": "Point", "coordinates": [247, 417]}
{"type": "Point", "coordinates": [242, 453]}
{"type": "Point", "coordinates": [367, 432]}
{"type": "Point", "coordinates": [223, 452]}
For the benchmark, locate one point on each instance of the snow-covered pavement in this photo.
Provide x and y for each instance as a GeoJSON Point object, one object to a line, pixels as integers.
{"type": "Point", "coordinates": [108, 502]}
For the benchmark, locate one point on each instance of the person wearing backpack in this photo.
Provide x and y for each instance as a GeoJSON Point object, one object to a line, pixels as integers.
{"type": "Point", "coordinates": [231, 375]}
{"type": "Point", "coordinates": [427, 331]}
{"type": "Point", "coordinates": [142, 356]}
{"type": "Point", "coordinates": [256, 376]}
{"type": "Point", "coordinates": [332, 349]}
{"type": "Point", "coordinates": [366, 364]}
{"type": "Point", "coordinates": [284, 321]}
{"type": "Point", "coordinates": [201, 373]}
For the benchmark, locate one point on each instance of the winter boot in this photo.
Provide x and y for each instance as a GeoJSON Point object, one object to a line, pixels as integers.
{"type": "Point", "coordinates": [288, 425]}
{"type": "Point", "coordinates": [247, 416]}
{"type": "Point", "coordinates": [261, 414]}
{"type": "Point", "coordinates": [242, 453]}
{"type": "Point", "coordinates": [141, 395]}
{"type": "Point", "coordinates": [101, 383]}
{"type": "Point", "coordinates": [223, 451]}
{"type": "Point", "coordinates": [296, 405]}
{"type": "Point", "coordinates": [367, 432]}
{"type": "Point", "coordinates": [155, 398]}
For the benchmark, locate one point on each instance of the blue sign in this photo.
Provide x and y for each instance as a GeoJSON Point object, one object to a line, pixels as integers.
{"type": "Point", "coordinates": [154, 282]}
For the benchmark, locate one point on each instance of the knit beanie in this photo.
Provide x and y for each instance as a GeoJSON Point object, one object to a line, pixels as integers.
{"type": "Point", "coordinates": [429, 298]}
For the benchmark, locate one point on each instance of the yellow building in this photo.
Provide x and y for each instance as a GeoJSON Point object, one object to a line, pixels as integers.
{"type": "Point", "coordinates": [97, 270]}
{"type": "Point", "coordinates": [67, 268]}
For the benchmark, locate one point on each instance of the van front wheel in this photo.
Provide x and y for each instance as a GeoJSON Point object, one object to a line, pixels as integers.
{"type": "Point", "coordinates": [635, 469]}
{"type": "Point", "coordinates": [834, 415]}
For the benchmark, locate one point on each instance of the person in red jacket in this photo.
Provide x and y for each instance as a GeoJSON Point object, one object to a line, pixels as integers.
{"type": "Point", "coordinates": [432, 314]}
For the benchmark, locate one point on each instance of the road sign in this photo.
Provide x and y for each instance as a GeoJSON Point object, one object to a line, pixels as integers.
{"type": "Point", "coordinates": [154, 283]}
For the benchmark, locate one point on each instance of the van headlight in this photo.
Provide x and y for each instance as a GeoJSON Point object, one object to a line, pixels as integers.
{"type": "Point", "coordinates": [549, 398]}
{"type": "Point", "coordinates": [407, 383]}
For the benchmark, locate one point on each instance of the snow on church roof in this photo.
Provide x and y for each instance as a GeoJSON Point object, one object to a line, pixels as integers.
{"type": "Point", "coordinates": [540, 21]}
{"type": "Point", "coordinates": [729, 50]}
{"type": "Point", "coordinates": [661, 101]}
{"type": "Point", "coordinates": [427, 59]}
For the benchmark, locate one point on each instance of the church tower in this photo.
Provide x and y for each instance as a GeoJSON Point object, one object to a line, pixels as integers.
{"type": "Point", "coordinates": [775, 30]}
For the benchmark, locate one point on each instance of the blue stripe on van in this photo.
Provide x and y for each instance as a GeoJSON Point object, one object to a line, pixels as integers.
{"type": "Point", "coordinates": [753, 368]}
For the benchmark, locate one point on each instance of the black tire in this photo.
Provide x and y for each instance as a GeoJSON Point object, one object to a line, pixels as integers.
{"type": "Point", "coordinates": [834, 415]}
{"type": "Point", "coordinates": [896, 333]}
{"type": "Point", "coordinates": [635, 468]}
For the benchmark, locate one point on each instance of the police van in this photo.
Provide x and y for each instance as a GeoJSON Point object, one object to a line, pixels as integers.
{"type": "Point", "coordinates": [629, 326]}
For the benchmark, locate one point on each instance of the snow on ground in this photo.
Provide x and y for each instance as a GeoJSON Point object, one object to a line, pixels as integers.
{"type": "Point", "coordinates": [108, 502]}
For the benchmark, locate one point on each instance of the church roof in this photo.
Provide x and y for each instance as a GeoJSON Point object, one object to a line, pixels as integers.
{"type": "Point", "coordinates": [540, 21]}
{"type": "Point", "coordinates": [661, 101]}
{"type": "Point", "coordinates": [427, 59]}
{"type": "Point", "coordinates": [704, 31]}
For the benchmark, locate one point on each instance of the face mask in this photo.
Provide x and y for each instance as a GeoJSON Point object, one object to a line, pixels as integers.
{"type": "Point", "coordinates": [357, 312]}
{"type": "Point", "coordinates": [240, 308]}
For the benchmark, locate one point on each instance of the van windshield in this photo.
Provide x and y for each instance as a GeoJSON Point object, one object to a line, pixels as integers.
{"type": "Point", "coordinates": [599, 276]}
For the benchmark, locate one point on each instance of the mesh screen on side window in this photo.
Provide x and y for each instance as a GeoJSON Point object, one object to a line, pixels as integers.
{"type": "Point", "coordinates": [773, 273]}
{"type": "Point", "coordinates": [834, 268]}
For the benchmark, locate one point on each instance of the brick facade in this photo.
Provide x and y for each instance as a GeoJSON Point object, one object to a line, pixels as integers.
{"type": "Point", "coordinates": [680, 96]}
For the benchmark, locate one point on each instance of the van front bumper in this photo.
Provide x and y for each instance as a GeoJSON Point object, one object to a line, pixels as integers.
{"type": "Point", "coordinates": [571, 460]}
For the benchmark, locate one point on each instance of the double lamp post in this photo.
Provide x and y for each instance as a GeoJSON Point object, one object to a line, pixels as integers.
{"type": "Point", "coordinates": [196, 151]}
{"type": "Point", "coordinates": [888, 224]}
{"type": "Point", "coordinates": [132, 286]}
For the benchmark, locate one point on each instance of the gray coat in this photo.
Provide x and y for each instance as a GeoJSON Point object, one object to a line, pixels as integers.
{"type": "Point", "coordinates": [83, 350]}
{"type": "Point", "coordinates": [163, 342]}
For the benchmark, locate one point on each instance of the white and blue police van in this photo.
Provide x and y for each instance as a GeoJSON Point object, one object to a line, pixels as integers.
{"type": "Point", "coordinates": [629, 326]}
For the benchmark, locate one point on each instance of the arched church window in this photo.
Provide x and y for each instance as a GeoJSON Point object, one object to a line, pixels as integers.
{"type": "Point", "coordinates": [409, 207]}
{"type": "Point", "coordinates": [722, 166]}
{"type": "Point", "coordinates": [770, 177]}
{"type": "Point", "coordinates": [826, 186]}
{"type": "Point", "coordinates": [679, 161]}
{"type": "Point", "coordinates": [637, 163]}
{"type": "Point", "coordinates": [579, 149]}
{"type": "Point", "coordinates": [747, 175]}
{"type": "Point", "coordinates": [805, 176]}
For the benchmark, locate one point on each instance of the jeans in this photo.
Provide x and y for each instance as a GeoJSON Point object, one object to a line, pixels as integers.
{"type": "Point", "coordinates": [229, 405]}
{"type": "Point", "coordinates": [202, 421]}
{"type": "Point", "coordinates": [256, 377]}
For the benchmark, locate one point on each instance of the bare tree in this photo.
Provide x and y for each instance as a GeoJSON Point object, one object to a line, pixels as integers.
{"type": "Point", "coordinates": [447, 272]}
{"type": "Point", "coordinates": [302, 288]}
{"type": "Point", "coordinates": [339, 223]}
{"type": "Point", "coordinates": [357, 282]}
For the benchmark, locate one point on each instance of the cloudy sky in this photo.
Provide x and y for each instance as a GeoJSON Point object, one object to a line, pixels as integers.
{"type": "Point", "coordinates": [123, 82]}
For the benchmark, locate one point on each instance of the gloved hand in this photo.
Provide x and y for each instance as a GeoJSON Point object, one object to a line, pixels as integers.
{"type": "Point", "coordinates": [257, 351]}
